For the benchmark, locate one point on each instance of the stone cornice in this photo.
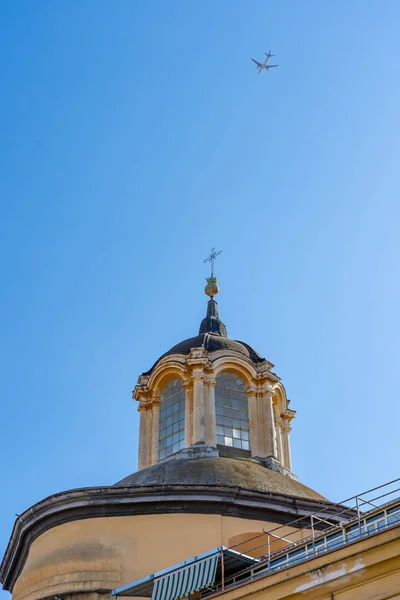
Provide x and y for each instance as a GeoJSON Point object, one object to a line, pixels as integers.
{"type": "Point", "coordinates": [113, 501]}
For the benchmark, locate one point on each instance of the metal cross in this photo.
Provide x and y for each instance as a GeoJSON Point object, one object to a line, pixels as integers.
{"type": "Point", "coordinates": [211, 259]}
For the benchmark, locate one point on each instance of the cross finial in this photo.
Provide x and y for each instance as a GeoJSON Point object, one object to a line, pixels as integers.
{"type": "Point", "coordinates": [211, 259]}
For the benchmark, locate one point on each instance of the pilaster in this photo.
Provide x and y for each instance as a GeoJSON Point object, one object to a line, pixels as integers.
{"type": "Point", "coordinates": [197, 363]}
{"type": "Point", "coordinates": [254, 423]}
{"type": "Point", "coordinates": [199, 425]}
{"type": "Point", "coordinates": [144, 436]}
{"type": "Point", "coordinates": [155, 430]}
{"type": "Point", "coordinates": [267, 422]}
{"type": "Point", "coordinates": [279, 441]}
{"type": "Point", "coordinates": [209, 410]}
{"type": "Point", "coordinates": [286, 418]}
{"type": "Point", "coordinates": [188, 387]}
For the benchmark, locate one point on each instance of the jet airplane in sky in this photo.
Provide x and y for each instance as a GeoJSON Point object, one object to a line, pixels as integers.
{"type": "Point", "coordinates": [264, 66]}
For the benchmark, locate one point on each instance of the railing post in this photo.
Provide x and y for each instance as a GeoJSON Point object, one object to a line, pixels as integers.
{"type": "Point", "coordinates": [313, 534]}
{"type": "Point", "coordinates": [222, 571]}
{"type": "Point", "coordinates": [269, 552]}
{"type": "Point", "coordinates": [344, 533]}
{"type": "Point", "coordinates": [358, 515]}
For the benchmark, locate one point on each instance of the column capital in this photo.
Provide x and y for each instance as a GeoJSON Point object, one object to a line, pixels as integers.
{"type": "Point", "coordinates": [187, 384]}
{"type": "Point", "coordinates": [288, 415]}
{"type": "Point", "coordinates": [143, 406]}
{"type": "Point", "coordinates": [209, 381]}
{"type": "Point", "coordinates": [198, 373]}
{"type": "Point", "coordinates": [141, 394]}
{"type": "Point", "coordinates": [285, 422]}
{"type": "Point", "coordinates": [284, 425]}
{"type": "Point", "coordinates": [155, 398]}
{"type": "Point", "coordinates": [252, 390]}
{"type": "Point", "coordinates": [197, 360]}
{"type": "Point", "coordinates": [266, 389]}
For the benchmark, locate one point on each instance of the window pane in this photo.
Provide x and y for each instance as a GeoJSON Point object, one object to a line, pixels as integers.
{"type": "Point", "coordinates": [172, 418]}
{"type": "Point", "coordinates": [231, 411]}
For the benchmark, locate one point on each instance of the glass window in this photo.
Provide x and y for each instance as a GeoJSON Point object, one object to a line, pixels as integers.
{"type": "Point", "coordinates": [172, 418]}
{"type": "Point", "coordinates": [231, 411]}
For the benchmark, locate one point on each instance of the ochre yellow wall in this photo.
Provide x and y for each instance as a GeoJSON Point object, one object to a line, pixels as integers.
{"type": "Point", "coordinates": [105, 553]}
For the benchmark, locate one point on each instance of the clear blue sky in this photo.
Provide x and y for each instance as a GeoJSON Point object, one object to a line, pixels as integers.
{"type": "Point", "coordinates": [136, 135]}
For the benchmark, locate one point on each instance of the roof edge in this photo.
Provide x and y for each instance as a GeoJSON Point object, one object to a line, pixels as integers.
{"type": "Point", "coordinates": [95, 502]}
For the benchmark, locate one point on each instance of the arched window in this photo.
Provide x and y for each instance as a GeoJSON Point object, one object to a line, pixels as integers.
{"type": "Point", "coordinates": [172, 418]}
{"type": "Point", "coordinates": [231, 408]}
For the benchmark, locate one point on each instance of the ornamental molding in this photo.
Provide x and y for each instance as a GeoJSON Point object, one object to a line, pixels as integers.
{"type": "Point", "coordinates": [142, 394]}
{"type": "Point", "coordinates": [267, 375]}
{"type": "Point", "coordinates": [164, 372]}
{"type": "Point", "coordinates": [222, 357]}
{"type": "Point", "coordinates": [197, 364]}
{"type": "Point", "coordinates": [288, 415]}
{"type": "Point", "coordinates": [196, 353]}
{"type": "Point", "coordinates": [144, 406]}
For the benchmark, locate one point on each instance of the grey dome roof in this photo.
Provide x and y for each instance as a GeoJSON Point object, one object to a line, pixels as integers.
{"type": "Point", "coordinates": [212, 337]}
{"type": "Point", "coordinates": [230, 472]}
{"type": "Point", "coordinates": [211, 342]}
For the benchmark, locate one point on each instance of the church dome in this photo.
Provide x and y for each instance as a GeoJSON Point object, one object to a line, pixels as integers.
{"type": "Point", "coordinates": [214, 390]}
{"type": "Point", "coordinates": [215, 471]}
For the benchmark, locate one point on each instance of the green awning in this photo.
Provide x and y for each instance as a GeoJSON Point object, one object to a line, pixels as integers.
{"type": "Point", "coordinates": [182, 582]}
{"type": "Point", "coordinates": [188, 576]}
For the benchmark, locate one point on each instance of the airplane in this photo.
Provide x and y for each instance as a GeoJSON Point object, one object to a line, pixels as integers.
{"type": "Point", "coordinates": [264, 66]}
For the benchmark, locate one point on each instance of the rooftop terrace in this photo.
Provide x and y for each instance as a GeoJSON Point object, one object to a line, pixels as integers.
{"type": "Point", "coordinates": [222, 568]}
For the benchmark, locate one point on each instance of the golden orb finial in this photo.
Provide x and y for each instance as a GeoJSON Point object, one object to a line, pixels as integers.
{"type": "Point", "coordinates": [211, 288]}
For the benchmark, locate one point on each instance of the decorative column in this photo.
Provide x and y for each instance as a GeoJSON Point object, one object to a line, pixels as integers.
{"type": "Point", "coordinates": [270, 449]}
{"type": "Point", "coordinates": [209, 410]}
{"type": "Point", "coordinates": [144, 436]}
{"type": "Point", "coordinates": [188, 387]}
{"type": "Point", "coordinates": [155, 430]}
{"type": "Point", "coordinates": [254, 421]}
{"type": "Point", "coordinates": [199, 429]}
{"type": "Point", "coordinates": [287, 416]}
{"type": "Point", "coordinates": [278, 424]}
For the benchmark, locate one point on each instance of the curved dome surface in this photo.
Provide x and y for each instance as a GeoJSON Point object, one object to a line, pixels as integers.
{"type": "Point", "coordinates": [232, 472]}
{"type": "Point", "coordinates": [212, 343]}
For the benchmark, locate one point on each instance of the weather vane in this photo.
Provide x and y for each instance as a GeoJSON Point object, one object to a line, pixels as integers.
{"type": "Point", "coordinates": [212, 258]}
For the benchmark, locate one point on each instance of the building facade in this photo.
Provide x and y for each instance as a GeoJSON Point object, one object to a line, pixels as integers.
{"type": "Point", "coordinates": [215, 472]}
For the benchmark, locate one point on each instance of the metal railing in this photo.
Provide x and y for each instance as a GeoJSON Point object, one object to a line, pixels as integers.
{"type": "Point", "coordinates": [383, 503]}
